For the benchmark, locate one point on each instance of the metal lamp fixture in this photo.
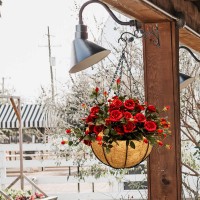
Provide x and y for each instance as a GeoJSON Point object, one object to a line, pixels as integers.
{"type": "Point", "coordinates": [84, 52]}
{"type": "Point", "coordinates": [184, 79]}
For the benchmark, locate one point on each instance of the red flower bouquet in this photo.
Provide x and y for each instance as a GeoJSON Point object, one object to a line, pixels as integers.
{"type": "Point", "coordinates": [120, 118]}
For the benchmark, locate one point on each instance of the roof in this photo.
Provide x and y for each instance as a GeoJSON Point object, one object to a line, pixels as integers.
{"type": "Point", "coordinates": [33, 116]}
{"type": "Point", "coordinates": [154, 11]}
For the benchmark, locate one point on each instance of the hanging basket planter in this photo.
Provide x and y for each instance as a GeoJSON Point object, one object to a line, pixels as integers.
{"type": "Point", "coordinates": [121, 155]}
{"type": "Point", "coordinates": [120, 129]}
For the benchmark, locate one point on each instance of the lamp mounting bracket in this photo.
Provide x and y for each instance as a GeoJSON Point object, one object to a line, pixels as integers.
{"type": "Point", "coordinates": [191, 53]}
{"type": "Point", "coordinates": [135, 23]}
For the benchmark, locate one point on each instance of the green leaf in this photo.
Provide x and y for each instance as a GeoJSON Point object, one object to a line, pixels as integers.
{"type": "Point", "coordinates": [107, 150]}
{"type": "Point", "coordinates": [104, 145]}
{"type": "Point", "coordinates": [99, 122]}
{"type": "Point", "coordinates": [132, 144]}
{"type": "Point", "coordinates": [106, 131]}
{"type": "Point", "coordinates": [87, 137]}
{"type": "Point", "coordinates": [70, 143]}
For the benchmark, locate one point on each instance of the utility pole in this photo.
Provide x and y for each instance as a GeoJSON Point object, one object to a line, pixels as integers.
{"type": "Point", "coordinates": [50, 63]}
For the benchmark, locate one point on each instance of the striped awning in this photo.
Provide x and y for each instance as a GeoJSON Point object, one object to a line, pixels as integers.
{"type": "Point", "coordinates": [33, 116]}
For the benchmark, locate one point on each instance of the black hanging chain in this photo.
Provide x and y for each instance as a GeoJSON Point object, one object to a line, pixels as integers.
{"type": "Point", "coordinates": [123, 59]}
{"type": "Point", "coordinates": [131, 74]}
{"type": "Point", "coordinates": [118, 70]}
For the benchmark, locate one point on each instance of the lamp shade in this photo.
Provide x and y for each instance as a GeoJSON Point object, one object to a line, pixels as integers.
{"type": "Point", "coordinates": [185, 80]}
{"type": "Point", "coordinates": [84, 52]}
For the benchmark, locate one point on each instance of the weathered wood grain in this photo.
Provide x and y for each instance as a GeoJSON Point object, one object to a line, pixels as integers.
{"type": "Point", "coordinates": [162, 88]}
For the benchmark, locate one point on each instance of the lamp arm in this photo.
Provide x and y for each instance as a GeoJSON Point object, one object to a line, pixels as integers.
{"type": "Point", "coordinates": [192, 54]}
{"type": "Point", "coordinates": [130, 23]}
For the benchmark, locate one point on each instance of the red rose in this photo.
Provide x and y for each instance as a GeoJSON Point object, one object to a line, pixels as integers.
{"type": "Point", "coordinates": [68, 131]}
{"type": "Point", "coordinates": [118, 81]}
{"type": "Point", "coordinates": [151, 108]}
{"type": "Point", "coordinates": [129, 104]}
{"type": "Point", "coordinates": [127, 115]}
{"type": "Point", "coordinates": [94, 110]}
{"type": "Point", "coordinates": [63, 142]}
{"type": "Point", "coordinates": [116, 103]}
{"type": "Point", "coordinates": [98, 129]}
{"type": "Point", "coordinates": [89, 119]}
{"type": "Point", "coordinates": [91, 128]}
{"type": "Point", "coordinates": [139, 117]}
{"type": "Point", "coordinates": [87, 142]}
{"type": "Point", "coordinates": [115, 97]}
{"type": "Point", "coordinates": [129, 127]}
{"type": "Point", "coordinates": [119, 130]}
{"type": "Point", "coordinates": [87, 132]}
{"type": "Point", "coordinates": [115, 115]}
{"type": "Point", "coordinates": [107, 121]}
{"type": "Point", "coordinates": [150, 126]}
{"type": "Point", "coordinates": [139, 107]}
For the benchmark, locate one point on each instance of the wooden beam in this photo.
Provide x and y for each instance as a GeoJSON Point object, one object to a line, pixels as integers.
{"type": "Point", "coordinates": [15, 108]}
{"type": "Point", "coordinates": [148, 12]}
{"type": "Point", "coordinates": [191, 0]}
{"type": "Point", "coordinates": [162, 88]}
{"type": "Point", "coordinates": [189, 39]}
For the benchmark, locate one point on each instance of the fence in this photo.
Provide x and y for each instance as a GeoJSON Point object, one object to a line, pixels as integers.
{"type": "Point", "coordinates": [59, 180]}
{"type": "Point", "coordinates": [57, 177]}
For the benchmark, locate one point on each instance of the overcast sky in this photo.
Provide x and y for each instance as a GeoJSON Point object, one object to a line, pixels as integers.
{"type": "Point", "coordinates": [24, 63]}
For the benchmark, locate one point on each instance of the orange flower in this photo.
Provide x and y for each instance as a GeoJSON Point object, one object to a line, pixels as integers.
{"type": "Point", "coordinates": [167, 146]}
{"type": "Point", "coordinates": [99, 138]}
{"type": "Point", "coordinates": [160, 131]}
{"type": "Point", "coordinates": [166, 108]}
{"type": "Point", "coordinates": [83, 105]}
{"type": "Point", "coordinates": [105, 94]}
{"type": "Point", "coordinates": [100, 142]}
{"type": "Point", "coordinates": [160, 143]}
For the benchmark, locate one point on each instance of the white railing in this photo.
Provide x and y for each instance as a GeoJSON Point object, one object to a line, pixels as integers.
{"type": "Point", "coordinates": [65, 186]}
{"type": "Point", "coordinates": [89, 188]}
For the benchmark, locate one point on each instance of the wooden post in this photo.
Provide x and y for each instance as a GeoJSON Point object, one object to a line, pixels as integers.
{"type": "Point", "coordinates": [2, 169]}
{"type": "Point", "coordinates": [162, 88]}
{"type": "Point", "coordinates": [17, 110]}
